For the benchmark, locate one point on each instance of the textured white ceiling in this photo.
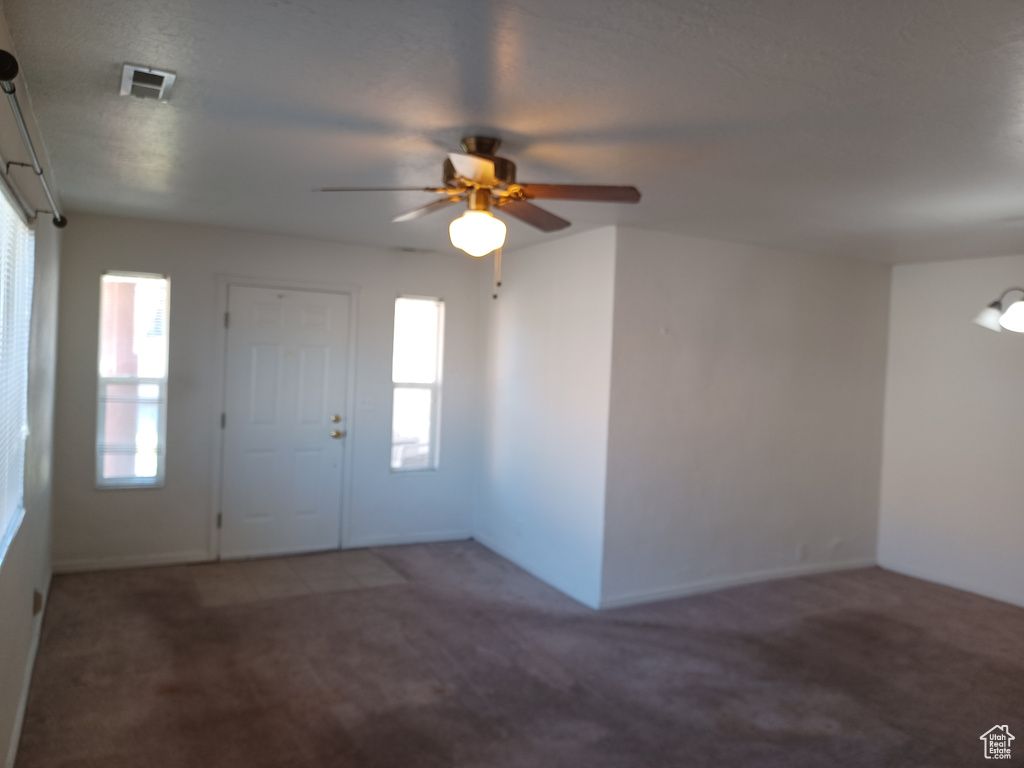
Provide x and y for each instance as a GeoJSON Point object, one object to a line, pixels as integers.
{"type": "Point", "coordinates": [892, 129]}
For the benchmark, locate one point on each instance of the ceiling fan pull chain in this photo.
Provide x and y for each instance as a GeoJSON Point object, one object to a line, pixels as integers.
{"type": "Point", "coordinates": [497, 272]}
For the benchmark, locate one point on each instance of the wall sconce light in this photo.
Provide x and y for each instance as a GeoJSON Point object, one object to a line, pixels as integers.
{"type": "Point", "coordinates": [995, 317]}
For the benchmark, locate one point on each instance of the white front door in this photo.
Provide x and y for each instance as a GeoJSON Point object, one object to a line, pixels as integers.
{"type": "Point", "coordinates": [285, 406]}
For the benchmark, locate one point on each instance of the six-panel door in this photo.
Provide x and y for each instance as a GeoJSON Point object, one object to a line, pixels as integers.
{"type": "Point", "coordinates": [284, 438]}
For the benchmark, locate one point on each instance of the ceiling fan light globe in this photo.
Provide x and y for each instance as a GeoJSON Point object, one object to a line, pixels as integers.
{"type": "Point", "coordinates": [1013, 318]}
{"type": "Point", "coordinates": [477, 233]}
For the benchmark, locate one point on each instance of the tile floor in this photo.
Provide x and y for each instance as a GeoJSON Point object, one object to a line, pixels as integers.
{"type": "Point", "coordinates": [247, 581]}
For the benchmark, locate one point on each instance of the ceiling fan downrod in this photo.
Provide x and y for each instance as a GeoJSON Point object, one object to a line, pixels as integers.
{"type": "Point", "coordinates": [481, 145]}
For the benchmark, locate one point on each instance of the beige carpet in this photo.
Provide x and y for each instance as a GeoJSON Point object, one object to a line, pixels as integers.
{"type": "Point", "coordinates": [448, 655]}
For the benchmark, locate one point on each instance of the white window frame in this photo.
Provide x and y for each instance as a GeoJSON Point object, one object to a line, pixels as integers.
{"type": "Point", "coordinates": [434, 457]}
{"type": "Point", "coordinates": [16, 306]}
{"type": "Point", "coordinates": [156, 481]}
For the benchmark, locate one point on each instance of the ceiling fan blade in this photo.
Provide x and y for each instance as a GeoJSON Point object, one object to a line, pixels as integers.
{"type": "Point", "coordinates": [532, 215]}
{"type": "Point", "coordinates": [381, 189]}
{"type": "Point", "coordinates": [473, 167]}
{"type": "Point", "coordinates": [592, 192]}
{"type": "Point", "coordinates": [423, 210]}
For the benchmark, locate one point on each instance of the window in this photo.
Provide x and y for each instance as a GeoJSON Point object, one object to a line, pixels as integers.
{"type": "Point", "coordinates": [416, 376]}
{"type": "Point", "coordinates": [17, 264]}
{"type": "Point", "coordinates": [132, 411]}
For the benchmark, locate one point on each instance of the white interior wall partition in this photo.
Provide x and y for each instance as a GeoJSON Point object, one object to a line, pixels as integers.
{"type": "Point", "coordinates": [110, 528]}
{"type": "Point", "coordinates": [549, 367]}
{"type": "Point", "coordinates": [746, 415]}
{"type": "Point", "coordinates": [669, 415]}
{"type": "Point", "coordinates": [952, 506]}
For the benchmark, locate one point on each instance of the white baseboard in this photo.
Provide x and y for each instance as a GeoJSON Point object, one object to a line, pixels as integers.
{"type": "Point", "coordinates": [185, 558]}
{"type": "Point", "coordinates": [963, 585]}
{"type": "Point", "coordinates": [359, 542]}
{"type": "Point", "coordinates": [711, 585]}
{"type": "Point", "coordinates": [530, 568]}
{"type": "Point", "coordinates": [30, 664]}
{"type": "Point", "coordinates": [131, 561]}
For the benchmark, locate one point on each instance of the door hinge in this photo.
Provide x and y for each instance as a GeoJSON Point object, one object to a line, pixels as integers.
{"type": "Point", "coordinates": [223, 420]}
{"type": "Point", "coordinates": [227, 316]}
{"type": "Point", "coordinates": [220, 519]}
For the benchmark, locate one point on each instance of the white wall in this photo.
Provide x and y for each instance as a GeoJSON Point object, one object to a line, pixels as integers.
{"type": "Point", "coordinates": [952, 507]}
{"type": "Point", "coordinates": [121, 527]}
{"type": "Point", "coordinates": [746, 415]}
{"type": "Point", "coordinates": [548, 389]}
{"type": "Point", "coordinates": [26, 567]}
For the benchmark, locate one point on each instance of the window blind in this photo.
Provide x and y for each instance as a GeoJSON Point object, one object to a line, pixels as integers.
{"type": "Point", "coordinates": [17, 264]}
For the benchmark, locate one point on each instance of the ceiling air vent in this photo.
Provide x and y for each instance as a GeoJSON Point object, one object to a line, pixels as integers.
{"type": "Point", "coordinates": [146, 82]}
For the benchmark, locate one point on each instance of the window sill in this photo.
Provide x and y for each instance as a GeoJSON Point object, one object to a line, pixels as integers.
{"type": "Point", "coordinates": [129, 486]}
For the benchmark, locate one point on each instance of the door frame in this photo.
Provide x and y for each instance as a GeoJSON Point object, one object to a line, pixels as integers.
{"type": "Point", "coordinates": [224, 285]}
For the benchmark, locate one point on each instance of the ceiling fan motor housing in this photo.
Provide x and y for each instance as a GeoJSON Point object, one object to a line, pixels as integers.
{"type": "Point", "coordinates": [483, 146]}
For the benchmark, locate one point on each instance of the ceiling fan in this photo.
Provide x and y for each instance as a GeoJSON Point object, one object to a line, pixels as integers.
{"type": "Point", "coordinates": [485, 182]}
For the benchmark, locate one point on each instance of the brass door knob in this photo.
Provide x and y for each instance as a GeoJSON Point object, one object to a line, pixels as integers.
{"type": "Point", "coordinates": [336, 418]}
{"type": "Point", "coordinates": [337, 434]}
